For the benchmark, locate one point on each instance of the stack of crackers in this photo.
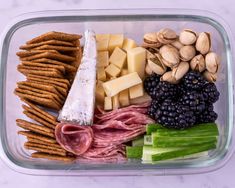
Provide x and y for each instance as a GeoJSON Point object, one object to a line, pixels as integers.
{"type": "Point", "coordinates": [49, 63]}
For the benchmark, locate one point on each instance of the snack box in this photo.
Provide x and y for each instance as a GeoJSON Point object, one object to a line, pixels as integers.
{"type": "Point", "coordinates": [133, 24]}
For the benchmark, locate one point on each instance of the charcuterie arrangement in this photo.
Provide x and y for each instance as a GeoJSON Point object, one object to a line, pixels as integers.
{"type": "Point", "coordinates": [111, 100]}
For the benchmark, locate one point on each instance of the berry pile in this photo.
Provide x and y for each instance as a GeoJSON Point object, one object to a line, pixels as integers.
{"type": "Point", "coordinates": [182, 105]}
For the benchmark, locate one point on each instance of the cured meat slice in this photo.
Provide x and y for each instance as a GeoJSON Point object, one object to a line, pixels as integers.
{"type": "Point", "coordinates": [76, 139]}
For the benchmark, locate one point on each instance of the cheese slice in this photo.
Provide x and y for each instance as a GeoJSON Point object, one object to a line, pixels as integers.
{"type": "Point", "coordinates": [112, 70]}
{"type": "Point", "coordinates": [108, 103]}
{"type": "Point", "coordinates": [118, 58]}
{"type": "Point", "coordinates": [136, 60]}
{"type": "Point", "coordinates": [99, 93]}
{"type": "Point", "coordinates": [124, 98]}
{"type": "Point", "coordinates": [136, 91]}
{"type": "Point", "coordinates": [113, 87]}
{"type": "Point", "coordinates": [128, 44]}
{"type": "Point", "coordinates": [102, 41]}
{"type": "Point", "coordinates": [103, 59]}
{"type": "Point", "coordinates": [116, 40]}
{"type": "Point", "coordinates": [115, 101]}
{"type": "Point", "coordinates": [101, 75]}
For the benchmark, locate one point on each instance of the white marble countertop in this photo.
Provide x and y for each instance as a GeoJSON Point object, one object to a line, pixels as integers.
{"type": "Point", "coordinates": [222, 178]}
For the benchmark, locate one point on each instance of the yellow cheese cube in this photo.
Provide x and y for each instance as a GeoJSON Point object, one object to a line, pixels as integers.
{"type": "Point", "coordinates": [128, 44]}
{"type": "Point", "coordinates": [112, 70]}
{"type": "Point", "coordinates": [108, 103]}
{"type": "Point", "coordinates": [136, 91]}
{"type": "Point", "coordinates": [113, 87]}
{"type": "Point", "coordinates": [116, 40]}
{"type": "Point", "coordinates": [124, 98]}
{"type": "Point", "coordinates": [101, 75]}
{"type": "Point", "coordinates": [102, 41]}
{"type": "Point", "coordinates": [141, 100]}
{"type": "Point", "coordinates": [99, 93]}
{"type": "Point", "coordinates": [118, 58]}
{"type": "Point", "coordinates": [115, 101]}
{"type": "Point", "coordinates": [124, 72]}
{"type": "Point", "coordinates": [103, 59]}
{"type": "Point", "coordinates": [136, 60]}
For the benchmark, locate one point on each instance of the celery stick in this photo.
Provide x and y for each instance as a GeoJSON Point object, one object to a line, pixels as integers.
{"type": "Point", "coordinates": [138, 141]}
{"type": "Point", "coordinates": [153, 128]}
{"type": "Point", "coordinates": [134, 152]}
{"type": "Point", "coordinates": [148, 140]}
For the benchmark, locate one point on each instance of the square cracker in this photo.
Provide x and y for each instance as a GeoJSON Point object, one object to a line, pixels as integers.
{"type": "Point", "coordinates": [52, 157]}
{"type": "Point", "coordinates": [52, 42]}
{"type": "Point", "coordinates": [58, 48]}
{"type": "Point", "coordinates": [55, 74]}
{"type": "Point", "coordinates": [45, 146]}
{"type": "Point", "coordinates": [33, 135]}
{"type": "Point", "coordinates": [36, 141]}
{"type": "Point", "coordinates": [35, 128]}
{"type": "Point", "coordinates": [53, 35]}
{"type": "Point", "coordinates": [33, 52]}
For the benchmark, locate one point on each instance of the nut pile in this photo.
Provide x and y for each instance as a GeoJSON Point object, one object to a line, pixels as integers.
{"type": "Point", "coordinates": [172, 56]}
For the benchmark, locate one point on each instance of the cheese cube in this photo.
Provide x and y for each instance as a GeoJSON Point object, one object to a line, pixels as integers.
{"type": "Point", "coordinates": [113, 87]}
{"type": "Point", "coordinates": [118, 58]}
{"type": "Point", "coordinates": [116, 40]}
{"type": "Point", "coordinates": [128, 44]}
{"type": "Point", "coordinates": [141, 100]}
{"type": "Point", "coordinates": [124, 98]}
{"type": "Point", "coordinates": [124, 72]}
{"type": "Point", "coordinates": [115, 101]}
{"type": "Point", "coordinates": [102, 41]}
{"type": "Point", "coordinates": [136, 91]}
{"type": "Point", "coordinates": [101, 75]}
{"type": "Point", "coordinates": [112, 70]}
{"type": "Point", "coordinates": [103, 59]}
{"type": "Point", "coordinates": [136, 60]}
{"type": "Point", "coordinates": [99, 93]}
{"type": "Point", "coordinates": [108, 103]}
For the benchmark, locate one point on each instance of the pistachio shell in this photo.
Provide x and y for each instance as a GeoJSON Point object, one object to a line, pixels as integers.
{"type": "Point", "coordinates": [177, 44]}
{"type": "Point", "coordinates": [210, 77]}
{"type": "Point", "coordinates": [166, 36]}
{"type": "Point", "coordinates": [156, 68]}
{"type": "Point", "coordinates": [148, 70]}
{"type": "Point", "coordinates": [187, 53]}
{"type": "Point", "coordinates": [151, 38]}
{"type": "Point", "coordinates": [179, 71]}
{"type": "Point", "coordinates": [198, 63]}
{"type": "Point", "coordinates": [150, 55]}
{"type": "Point", "coordinates": [203, 43]}
{"type": "Point", "coordinates": [187, 37]}
{"type": "Point", "coordinates": [212, 62]}
{"type": "Point", "coordinates": [170, 55]}
{"type": "Point", "coordinates": [169, 78]}
{"type": "Point", "coordinates": [151, 45]}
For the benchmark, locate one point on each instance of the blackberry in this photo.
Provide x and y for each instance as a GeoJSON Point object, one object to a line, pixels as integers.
{"type": "Point", "coordinates": [155, 105]}
{"type": "Point", "coordinates": [208, 115]}
{"type": "Point", "coordinates": [165, 90]}
{"type": "Point", "coordinates": [174, 115]}
{"type": "Point", "coordinates": [151, 82]}
{"type": "Point", "coordinates": [193, 81]}
{"type": "Point", "coordinates": [210, 93]}
{"type": "Point", "coordinates": [194, 100]}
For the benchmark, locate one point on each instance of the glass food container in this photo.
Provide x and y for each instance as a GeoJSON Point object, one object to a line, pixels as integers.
{"type": "Point", "coordinates": [133, 24]}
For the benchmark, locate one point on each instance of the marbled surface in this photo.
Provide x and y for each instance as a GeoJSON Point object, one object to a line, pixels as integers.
{"type": "Point", "coordinates": [222, 178]}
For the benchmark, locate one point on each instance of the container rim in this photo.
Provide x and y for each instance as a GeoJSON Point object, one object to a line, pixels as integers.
{"type": "Point", "coordinates": [213, 19]}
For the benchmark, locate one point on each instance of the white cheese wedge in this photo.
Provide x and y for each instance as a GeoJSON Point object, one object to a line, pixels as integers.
{"type": "Point", "coordinates": [136, 60]}
{"type": "Point", "coordinates": [80, 102]}
{"type": "Point", "coordinates": [101, 75]}
{"type": "Point", "coordinates": [112, 70]}
{"type": "Point", "coordinates": [108, 103]}
{"type": "Point", "coordinates": [124, 98]}
{"type": "Point", "coordinates": [136, 91]}
{"type": "Point", "coordinates": [113, 87]}
{"type": "Point", "coordinates": [115, 101]}
{"type": "Point", "coordinates": [116, 40]}
{"type": "Point", "coordinates": [102, 41]}
{"type": "Point", "coordinates": [118, 58]}
{"type": "Point", "coordinates": [140, 100]}
{"type": "Point", "coordinates": [103, 59]}
{"type": "Point", "coordinates": [128, 44]}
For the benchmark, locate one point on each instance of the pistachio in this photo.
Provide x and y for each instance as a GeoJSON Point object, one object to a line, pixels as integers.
{"type": "Point", "coordinates": [148, 70]}
{"type": "Point", "coordinates": [170, 55]}
{"type": "Point", "coordinates": [210, 77]}
{"type": "Point", "coordinates": [187, 53]}
{"type": "Point", "coordinates": [151, 45]}
{"type": "Point", "coordinates": [169, 78]}
{"type": "Point", "coordinates": [187, 37]}
{"type": "Point", "coordinates": [198, 63]}
{"type": "Point", "coordinates": [177, 44]}
{"type": "Point", "coordinates": [156, 65]}
{"type": "Point", "coordinates": [212, 62]}
{"type": "Point", "coordinates": [166, 36]}
{"type": "Point", "coordinates": [150, 40]}
{"type": "Point", "coordinates": [179, 71]}
{"type": "Point", "coordinates": [203, 43]}
{"type": "Point", "coordinates": [150, 54]}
